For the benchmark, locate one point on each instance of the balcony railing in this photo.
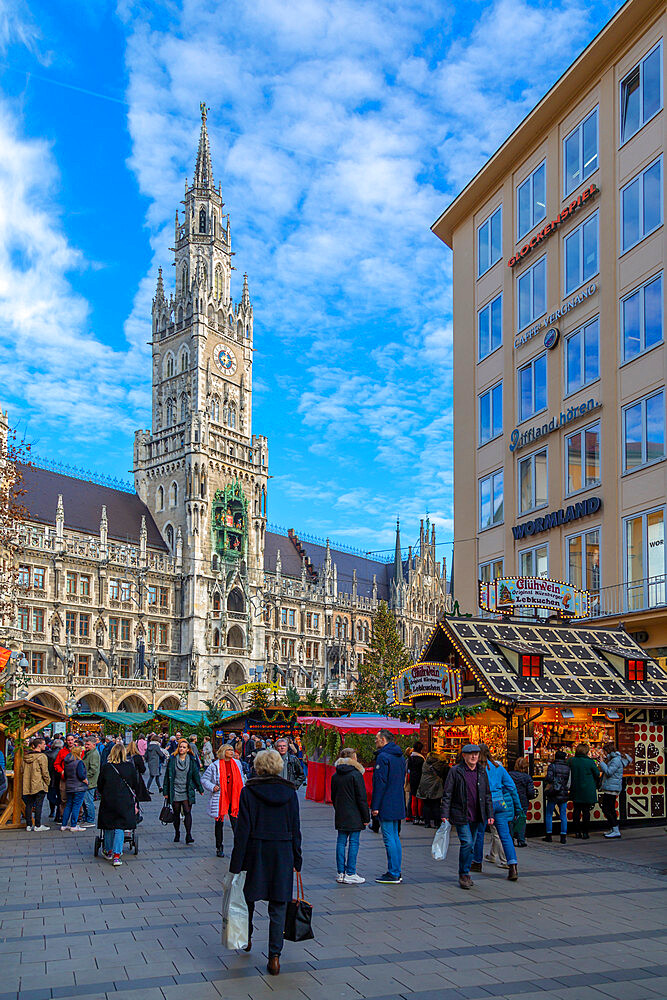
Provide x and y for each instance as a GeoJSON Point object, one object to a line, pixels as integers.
{"type": "Point", "coordinates": [626, 598]}
{"type": "Point", "coordinates": [60, 680]}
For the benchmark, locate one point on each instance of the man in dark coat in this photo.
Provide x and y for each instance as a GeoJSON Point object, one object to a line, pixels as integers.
{"type": "Point", "coordinates": [351, 814]}
{"type": "Point", "coordinates": [267, 846]}
{"type": "Point", "coordinates": [467, 804]}
{"type": "Point", "coordinates": [388, 801]}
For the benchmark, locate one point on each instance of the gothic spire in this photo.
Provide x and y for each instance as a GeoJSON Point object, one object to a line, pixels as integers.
{"type": "Point", "coordinates": [398, 561]}
{"type": "Point", "coordinates": [245, 297]}
{"type": "Point", "coordinates": [159, 291]}
{"type": "Point", "coordinates": [203, 169]}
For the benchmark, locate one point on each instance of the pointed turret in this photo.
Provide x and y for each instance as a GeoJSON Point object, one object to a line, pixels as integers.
{"type": "Point", "coordinates": [398, 561]}
{"type": "Point", "coordinates": [143, 541]}
{"type": "Point", "coordinates": [159, 290]}
{"type": "Point", "coordinates": [60, 520]}
{"type": "Point", "coordinates": [245, 296]}
{"type": "Point", "coordinates": [104, 533]}
{"type": "Point", "coordinates": [203, 169]}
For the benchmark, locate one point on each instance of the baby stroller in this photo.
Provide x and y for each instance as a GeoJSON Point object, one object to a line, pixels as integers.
{"type": "Point", "coordinates": [131, 838]}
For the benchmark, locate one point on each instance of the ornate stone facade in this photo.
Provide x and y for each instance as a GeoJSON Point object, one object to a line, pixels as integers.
{"type": "Point", "coordinates": [180, 592]}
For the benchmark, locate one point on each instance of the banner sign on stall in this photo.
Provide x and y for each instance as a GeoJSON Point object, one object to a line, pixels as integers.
{"type": "Point", "coordinates": [426, 680]}
{"type": "Point", "coordinates": [522, 593]}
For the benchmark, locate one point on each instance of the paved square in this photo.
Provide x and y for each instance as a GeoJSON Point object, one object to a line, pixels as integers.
{"type": "Point", "coordinates": [583, 922]}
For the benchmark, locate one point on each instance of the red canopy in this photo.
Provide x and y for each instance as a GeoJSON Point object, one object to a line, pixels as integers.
{"type": "Point", "coordinates": [363, 724]}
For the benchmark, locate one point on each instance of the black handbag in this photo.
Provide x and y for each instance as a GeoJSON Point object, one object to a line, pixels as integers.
{"type": "Point", "coordinates": [166, 814]}
{"type": "Point", "coordinates": [299, 916]}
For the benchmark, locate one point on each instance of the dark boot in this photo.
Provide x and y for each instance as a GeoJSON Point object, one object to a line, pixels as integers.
{"type": "Point", "coordinates": [563, 838]}
{"type": "Point", "coordinates": [475, 866]}
{"type": "Point", "coordinates": [547, 838]}
{"type": "Point", "coordinates": [177, 837]}
{"type": "Point", "coordinates": [513, 873]}
{"type": "Point", "coordinates": [273, 967]}
{"type": "Point", "coordinates": [585, 836]}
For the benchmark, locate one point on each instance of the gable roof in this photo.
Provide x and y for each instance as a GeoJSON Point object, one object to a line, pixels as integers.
{"type": "Point", "coordinates": [574, 671]}
{"type": "Point", "coordinates": [82, 504]}
{"type": "Point", "coordinates": [346, 563]}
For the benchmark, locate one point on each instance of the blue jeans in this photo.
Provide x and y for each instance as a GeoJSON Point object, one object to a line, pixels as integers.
{"type": "Point", "coordinates": [549, 807]}
{"type": "Point", "coordinates": [113, 841]}
{"type": "Point", "coordinates": [467, 832]}
{"type": "Point", "coordinates": [351, 867]}
{"type": "Point", "coordinates": [89, 805]}
{"type": "Point", "coordinates": [392, 844]}
{"type": "Point", "coordinates": [72, 807]}
{"type": "Point", "coordinates": [502, 818]}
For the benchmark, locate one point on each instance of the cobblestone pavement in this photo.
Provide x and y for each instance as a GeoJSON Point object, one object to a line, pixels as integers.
{"type": "Point", "coordinates": [583, 922]}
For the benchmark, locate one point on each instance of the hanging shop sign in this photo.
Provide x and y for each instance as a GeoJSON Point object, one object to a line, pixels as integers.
{"type": "Point", "coordinates": [550, 318]}
{"type": "Point", "coordinates": [521, 593]}
{"type": "Point", "coordinates": [552, 226]}
{"type": "Point", "coordinates": [519, 440]}
{"type": "Point", "coordinates": [556, 517]}
{"type": "Point", "coordinates": [426, 680]}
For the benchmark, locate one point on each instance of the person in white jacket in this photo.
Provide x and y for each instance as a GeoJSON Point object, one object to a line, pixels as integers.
{"type": "Point", "coordinates": [224, 779]}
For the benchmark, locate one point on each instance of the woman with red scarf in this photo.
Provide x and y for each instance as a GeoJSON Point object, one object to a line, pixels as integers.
{"type": "Point", "coordinates": [224, 779]}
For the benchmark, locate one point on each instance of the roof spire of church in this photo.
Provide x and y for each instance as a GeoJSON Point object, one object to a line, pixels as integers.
{"type": "Point", "coordinates": [203, 169]}
{"type": "Point", "coordinates": [398, 560]}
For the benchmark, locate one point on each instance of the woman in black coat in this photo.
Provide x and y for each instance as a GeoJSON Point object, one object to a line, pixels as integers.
{"type": "Point", "coordinates": [267, 846]}
{"type": "Point", "coordinates": [351, 814]}
{"type": "Point", "coordinates": [117, 785]}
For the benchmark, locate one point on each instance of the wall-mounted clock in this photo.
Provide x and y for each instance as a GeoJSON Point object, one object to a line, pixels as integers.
{"type": "Point", "coordinates": [225, 359]}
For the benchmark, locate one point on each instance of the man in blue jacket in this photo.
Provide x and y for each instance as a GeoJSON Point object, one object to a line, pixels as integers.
{"type": "Point", "coordinates": [388, 801]}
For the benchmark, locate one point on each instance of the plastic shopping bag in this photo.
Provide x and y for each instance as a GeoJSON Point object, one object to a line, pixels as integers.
{"type": "Point", "coordinates": [440, 844]}
{"type": "Point", "coordinates": [234, 912]}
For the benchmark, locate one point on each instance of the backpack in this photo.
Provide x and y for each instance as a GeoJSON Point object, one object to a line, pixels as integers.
{"type": "Point", "coordinates": [558, 789]}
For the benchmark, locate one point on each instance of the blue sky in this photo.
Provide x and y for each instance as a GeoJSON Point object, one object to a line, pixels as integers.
{"type": "Point", "coordinates": [340, 131]}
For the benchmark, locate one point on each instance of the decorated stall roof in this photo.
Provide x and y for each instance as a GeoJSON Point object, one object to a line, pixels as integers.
{"type": "Point", "coordinates": [580, 662]}
{"type": "Point", "coordinates": [360, 724]}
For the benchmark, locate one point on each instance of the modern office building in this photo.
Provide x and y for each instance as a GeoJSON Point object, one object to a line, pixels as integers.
{"type": "Point", "coordinates": [560, 453]}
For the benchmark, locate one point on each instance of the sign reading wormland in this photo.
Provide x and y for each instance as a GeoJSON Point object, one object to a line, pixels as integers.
{"type": "Point", "coordinates": [556, 517]}
{"type": "Point", "coordinates": [533, 434]}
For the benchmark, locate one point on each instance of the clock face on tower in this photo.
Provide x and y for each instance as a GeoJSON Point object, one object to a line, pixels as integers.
{"type": "Point", "coordinates": [225, 359]}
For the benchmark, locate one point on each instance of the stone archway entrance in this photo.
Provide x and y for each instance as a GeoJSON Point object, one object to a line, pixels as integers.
{"type": "Point", "coordinates": [132, 703]}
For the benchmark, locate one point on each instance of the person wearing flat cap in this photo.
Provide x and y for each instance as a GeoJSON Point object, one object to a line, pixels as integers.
{"type": "Point", "coordinates": [467, 805]}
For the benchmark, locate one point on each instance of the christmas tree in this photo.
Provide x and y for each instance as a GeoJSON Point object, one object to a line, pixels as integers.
{"type": "Point", "coordinates": [259, 696]}
{"type": "Point", "coordinates": [386, 658]}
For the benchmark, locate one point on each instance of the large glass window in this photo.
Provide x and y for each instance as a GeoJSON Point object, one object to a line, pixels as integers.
{"type": "Point", "coordinates": [581, 254]}
{"type": "Point", "coordinates": [491, 413]}
{"type": "Point", "coordinates": [533, 387]}
{"type": "Point", "coordinates": [641, 93]}
{"type": "Point", "coordinates": [641, 319]}
{"type": "Point", "coordinates": [644, 431]}
{"type": "Point", "coordinates": [531, 200]}
{"type": "Point", "coordinates": [641, 205]}
{"type": "Point", "coordinates": [492, 570]}
{"type": "Point", "coordinates": [580, 153]}
{"type": "Point", "coordinates": [490, 327]}
{"type": "Point", "coordinates": [583, 560]}
{"type": "Point", "coordinates": [534, 562]}
{"type": "Point", "coordinates": [533, 481]}
{"type": "Point", "coordinates": [532, 293]}
{"type": "Point", "coordinates": [489, 241]}
{"type": "Point", "coordinates": [582, 356]}
{"type": "Point", "coordinates": [582, 455]}
{"type": "Point", "coordinates": [491, 500]}
{"type": "Point", "coordinates": [644, 543]}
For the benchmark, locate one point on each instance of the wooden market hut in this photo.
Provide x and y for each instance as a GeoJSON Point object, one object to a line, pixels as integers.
{"type": "Point", "coordinates": [21, 720]}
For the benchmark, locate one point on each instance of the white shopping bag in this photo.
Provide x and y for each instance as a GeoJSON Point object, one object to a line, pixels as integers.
{"type": "Point", "coordinates": [440, 844]}
{"type": "Point", "coordinates": [234, 912]}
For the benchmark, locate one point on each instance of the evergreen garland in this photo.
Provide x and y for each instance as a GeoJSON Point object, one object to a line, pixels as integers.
{"type": "Point", "coordinates": [445, 712]}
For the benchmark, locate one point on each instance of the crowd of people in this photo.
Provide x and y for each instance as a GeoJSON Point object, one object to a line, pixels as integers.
{"type": "Point", "coordinates": [252, 784]}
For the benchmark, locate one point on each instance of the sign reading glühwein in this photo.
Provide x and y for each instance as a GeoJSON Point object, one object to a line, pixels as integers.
{"type": "Point", "coordinates": [521, 593]}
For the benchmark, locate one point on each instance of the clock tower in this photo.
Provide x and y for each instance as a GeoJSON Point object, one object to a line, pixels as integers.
{"type": "Point", "coordinates": [200, 469]}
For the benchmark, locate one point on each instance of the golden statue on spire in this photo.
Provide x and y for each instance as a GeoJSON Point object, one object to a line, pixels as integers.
{"type": "Point", "coordinates": [204, 111]}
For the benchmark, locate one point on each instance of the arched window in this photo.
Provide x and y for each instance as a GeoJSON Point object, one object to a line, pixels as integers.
{"type": "Point", "coordinates": [218, 282]}
{"type": "Point", "coordinates": [216, 639]}
{"type": "Point", "coordinates": [366, 632]}
{"type": "Point", "coordinates": [232, 416]}
{"type": "Point", "coordinates": [216, 602]}
{"type": "Point", "coordinates": [213, 223]}
{"type": "Point", "coordinates": [184, 282]}
{"type": "Point", "coordinates": [360, 632]}
{"type": "Point", "coordinates": [345, 628]}
{"type": "Point", "coordinates": [169, 365]}
{"type": "Point", "coordinates": [338, 628]}
{"type": "Point", "coordinates": [235, 601]}
{"type": "Point", "coordinates": [235, 638]}
{"type": "Point", "coordinates": [215, 409]}
{"type": "Point", "coordinates": [185, 361]}
{"type": "Point", "coordinates": [173, 495]}
{"type": "Point", "coordinates": [160, 498]}
{"type": "Point", "coordinates": [170, 537]}
{"type": "Point", "coordinates": [184, 408]}
{"type": "Point", "coordinates": [202, 220]}
{"type": "Point", "coordinates": [169, 419]}
{"type": "Point", "coordinates": [239, 330]}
